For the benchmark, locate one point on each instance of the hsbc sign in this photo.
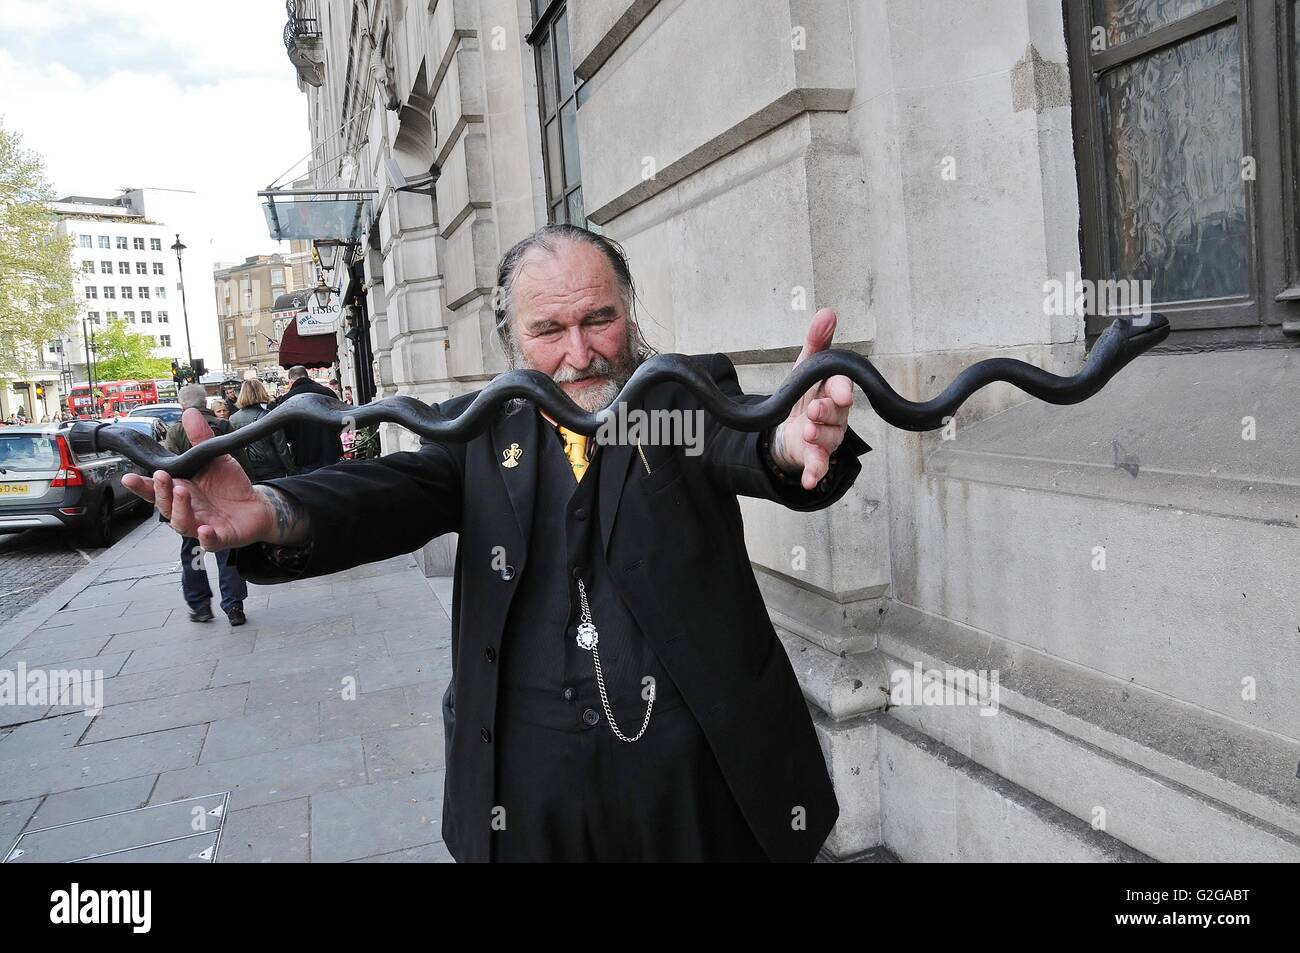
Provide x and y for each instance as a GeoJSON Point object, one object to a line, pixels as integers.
{"type": "Point", "coordinates": [319, 318]}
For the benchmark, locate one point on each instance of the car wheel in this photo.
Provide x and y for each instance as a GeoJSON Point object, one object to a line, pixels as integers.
{"type": "Point", "coordinates": [100, 533]}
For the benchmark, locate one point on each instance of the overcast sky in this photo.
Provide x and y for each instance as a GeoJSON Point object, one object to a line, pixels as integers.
{"type": "Point", "coordinates": [174, 94]}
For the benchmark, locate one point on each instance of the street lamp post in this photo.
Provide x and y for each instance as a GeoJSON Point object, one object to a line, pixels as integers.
{"type": "Point", "coordinates": [94, 367]}
{"type": "Point", "coordinates": [90, 374]}
{"type": "Point", "coordinates": [185, 313]}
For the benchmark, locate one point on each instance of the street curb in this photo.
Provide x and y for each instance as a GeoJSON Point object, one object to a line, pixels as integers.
{"type": "Point", "coordinates": [31, 618]}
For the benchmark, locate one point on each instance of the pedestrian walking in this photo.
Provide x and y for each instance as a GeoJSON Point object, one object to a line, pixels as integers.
{"type": "Point", "coordinates": [269, 457]}
{"type": "Point", "coordinates": [195, 586]}
{"type": "Point", "coordinates": [313, 445]}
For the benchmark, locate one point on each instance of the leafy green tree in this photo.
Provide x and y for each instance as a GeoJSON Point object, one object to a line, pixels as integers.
{"type": "Point", "coordinates": [121, 354]}
{"type": "Point", "coordinates": [37, 296]}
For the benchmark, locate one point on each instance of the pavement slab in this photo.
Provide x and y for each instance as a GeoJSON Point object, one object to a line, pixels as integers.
{"type": "Point", "coordinates": [268, 834]}
{"type": "Point", "coordinates": [320, 720]}
{"type": "Point", "coordinates": [407, 810]}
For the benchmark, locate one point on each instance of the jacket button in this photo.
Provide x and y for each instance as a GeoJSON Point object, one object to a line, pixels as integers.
{"type": "Point", "coordinates": [490, 654]}
{"type": "Point", "coordinates": [580, 513]}
{"type": "Point", "coordinates": [507, 573]}
{"type": "Point", "coordinates": [577, 572]}
{"type": "Point", "coordinates": [568, 694]}
{"type": "Point", "coordinates": [590, 717]}
{"type": "Point", "coordinates": [486, 736]}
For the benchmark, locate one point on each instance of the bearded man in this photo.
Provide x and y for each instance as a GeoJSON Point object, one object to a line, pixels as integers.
{"type": "Point", "coordinates": [618, 690]}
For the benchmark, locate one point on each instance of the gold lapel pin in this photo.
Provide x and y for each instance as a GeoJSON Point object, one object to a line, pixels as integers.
{"type": "Point", "coordinates": [510, 458]}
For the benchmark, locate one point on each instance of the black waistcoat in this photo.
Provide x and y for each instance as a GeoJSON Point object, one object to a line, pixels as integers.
{"type": "Point", "coordinates": [546, 677]}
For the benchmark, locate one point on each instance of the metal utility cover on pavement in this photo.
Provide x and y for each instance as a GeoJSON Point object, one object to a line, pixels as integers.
{"type": "Point", "coordinates": [185, 831]}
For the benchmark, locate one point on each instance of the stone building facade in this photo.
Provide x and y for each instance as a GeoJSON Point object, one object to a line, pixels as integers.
{"type": "Point", "coordinates": [928, 168]}
{"type": "Point", "coordinates": [245, 296]}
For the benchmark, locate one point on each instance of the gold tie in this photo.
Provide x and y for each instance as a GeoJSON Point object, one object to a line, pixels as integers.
{"type": "Point", "coordinates": [575, 448]}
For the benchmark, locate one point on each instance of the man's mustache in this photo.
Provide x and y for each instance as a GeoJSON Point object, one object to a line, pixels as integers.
{"type": "Point", "coordinates": [600, 367]}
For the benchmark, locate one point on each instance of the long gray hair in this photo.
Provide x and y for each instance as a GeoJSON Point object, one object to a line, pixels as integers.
{"type": "Point", "coordinates": [549, 238]}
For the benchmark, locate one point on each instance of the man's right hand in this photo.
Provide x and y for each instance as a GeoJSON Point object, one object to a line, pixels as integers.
{"type": "Point", "coordinates": [220, 507]}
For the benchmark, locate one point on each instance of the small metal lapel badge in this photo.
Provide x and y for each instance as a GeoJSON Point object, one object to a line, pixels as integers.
{"type": "Point", "coordinates": [510, 458]}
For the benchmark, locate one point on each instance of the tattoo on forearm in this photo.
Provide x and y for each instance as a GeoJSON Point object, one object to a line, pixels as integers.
{"type": "Point", "coordinates": [777, 447]}
{"type": "Point", "coordinates": [292, 527]}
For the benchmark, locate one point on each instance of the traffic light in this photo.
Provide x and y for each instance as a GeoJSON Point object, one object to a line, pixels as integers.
{"type": "Point", "coordinates": [40, 390]}
{"type": "Point", "coordinates": [200, 368]}
{"type": "Point", "coordinates": [176, 371]}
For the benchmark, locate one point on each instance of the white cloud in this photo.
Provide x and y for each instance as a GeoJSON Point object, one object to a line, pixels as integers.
{"type": "Point", "coordinates": [165, 93]}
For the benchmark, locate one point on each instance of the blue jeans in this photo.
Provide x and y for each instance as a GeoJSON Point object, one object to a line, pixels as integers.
{"type": "Point", "coordinates": [194, 581]}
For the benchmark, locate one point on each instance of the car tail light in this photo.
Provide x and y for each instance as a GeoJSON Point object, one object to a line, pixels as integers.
{"type": "Point", "coordinates": [68, 474]}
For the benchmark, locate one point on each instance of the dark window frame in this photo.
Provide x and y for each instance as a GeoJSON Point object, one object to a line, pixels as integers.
{"type": "Point", "coordinates": [1269, 134]}
{"type": "Point", "coordinates": [1289, 76]}
{"type": "Point", "coordinates": [546, 19]}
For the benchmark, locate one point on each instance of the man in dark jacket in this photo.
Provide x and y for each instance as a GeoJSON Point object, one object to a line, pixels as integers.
{"type": "Point", "coordinates": [313, 445]}
{"type": "Point", "coordinates": [618, 689]}
{"type": "Point", "coordinates": [195, 585]}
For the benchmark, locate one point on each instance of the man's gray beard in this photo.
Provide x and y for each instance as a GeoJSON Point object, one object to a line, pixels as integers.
{"type": "Point", "coordinates": [591, 399]}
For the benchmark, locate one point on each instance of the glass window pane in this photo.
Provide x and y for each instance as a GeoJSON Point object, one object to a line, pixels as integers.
{"type": "Point", "coordinates": [554, 161]}
{"type": "Point", "coordinates": [1176, 201]}
{"type": "Point", "coordinates": [576, 215]}
{"type": "Point", "coordinates": [1126, 20]}
{"type": "Point", "coordinates": [572, 171]}
{"type": "Point", "coordinates": [557, 212]}
{"type": "Point", "coordinates": [546, 56]}
{"type": "Point", "coordinates": [563, 55]}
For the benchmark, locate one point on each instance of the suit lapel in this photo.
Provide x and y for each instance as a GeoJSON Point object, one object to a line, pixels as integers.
{"type": "Point", "coordinates": [516, 438]}
{"type": "Point", "coordinates": [613, 478]}
{"type": "Point", "coordinates": [524, 429]}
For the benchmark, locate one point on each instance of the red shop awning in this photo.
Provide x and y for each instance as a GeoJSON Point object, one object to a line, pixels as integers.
{"type": "Point", "coordinates": [312, 350]}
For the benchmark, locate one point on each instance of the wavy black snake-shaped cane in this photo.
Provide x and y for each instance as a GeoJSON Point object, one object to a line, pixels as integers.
{"type": "Point", "coordinates": [1124, 340]}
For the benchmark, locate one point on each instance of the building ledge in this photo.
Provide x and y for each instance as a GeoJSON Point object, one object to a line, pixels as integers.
{"type": "Point", "coordinates": [1249, 772]}
{"type": "Point", "coordinates": [1207, 432]}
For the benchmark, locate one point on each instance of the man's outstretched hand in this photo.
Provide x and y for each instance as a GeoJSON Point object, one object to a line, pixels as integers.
{"type": "Point", "coordinates": [220, 507]}
{"type": "Point", "coordinates": [816, 425]}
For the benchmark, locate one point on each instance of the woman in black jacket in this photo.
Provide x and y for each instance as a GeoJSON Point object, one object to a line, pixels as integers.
{"type": "Point", "coordinates": [269, 457]}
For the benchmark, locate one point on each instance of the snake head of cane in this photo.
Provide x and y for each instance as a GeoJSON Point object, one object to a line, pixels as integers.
{"type": "Point", "coordinates": [1138, 334]}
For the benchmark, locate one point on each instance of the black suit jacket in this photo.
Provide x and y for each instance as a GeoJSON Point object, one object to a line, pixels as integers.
{"type": "Point", "coordinates": [312, 445]}
{"type": "Point", "coordinates": [675, 541]}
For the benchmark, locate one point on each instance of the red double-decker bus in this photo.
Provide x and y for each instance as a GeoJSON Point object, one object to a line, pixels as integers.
{"type": "Point", "coordinates": [116, 398]}
{"type": "Point", "coordinates": [121, 396]}
{"type": "Point", "coordinates": [82, 404]}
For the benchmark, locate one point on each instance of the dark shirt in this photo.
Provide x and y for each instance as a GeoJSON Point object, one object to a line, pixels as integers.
{"type": "Point", "coordinates": [546, 677]}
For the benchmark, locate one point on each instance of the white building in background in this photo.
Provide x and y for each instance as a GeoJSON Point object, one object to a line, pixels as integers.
{"type": "Point", "coordinates": [126, 270]}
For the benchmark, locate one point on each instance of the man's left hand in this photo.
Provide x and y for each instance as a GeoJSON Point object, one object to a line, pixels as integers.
{"type": "Point", "coordinates": [816, 425]}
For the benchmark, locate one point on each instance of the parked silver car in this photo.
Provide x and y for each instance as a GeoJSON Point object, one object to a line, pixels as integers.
{"type": "Point", "coordinates": [167, 413]}
{"type": "Point", "coordinates": [149, 426]}
{"type": "Point", "coordinates": [43, 484]}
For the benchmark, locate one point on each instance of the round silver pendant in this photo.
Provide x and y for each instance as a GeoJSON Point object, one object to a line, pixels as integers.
{"type": "Point", "coordinates": [587, 636]}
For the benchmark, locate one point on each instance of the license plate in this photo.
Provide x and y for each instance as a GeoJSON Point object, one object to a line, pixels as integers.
{"type": "Point", "coordinates": [14, 489]}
